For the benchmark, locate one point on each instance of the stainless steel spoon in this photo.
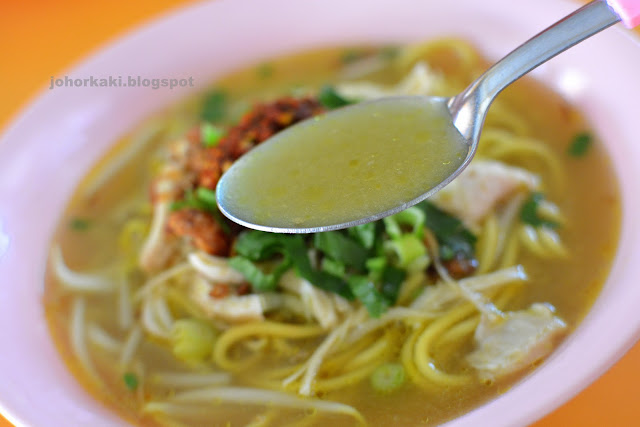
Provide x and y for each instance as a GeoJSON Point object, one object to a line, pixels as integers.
{"type": "Point", "coordinates": [467, 111]}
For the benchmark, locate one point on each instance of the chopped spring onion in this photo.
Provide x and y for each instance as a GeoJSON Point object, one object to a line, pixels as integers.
{"type": "Point", "coordinates": [529, 212]}
{"type": "Point", "coordinates": [192, 340]}
{"type": "Point", "coordinates": [376, 267]}
{"type": "Point", "coordinates": [580, 144]}
{"type": "Point", "coordinates": [413, 217]}
{"type": "Point", "coordinates": [210, 135]}
{"type": "Point", "coordinates": [365, 234]}
{"type": "Point", "coordinates": [332, 99]}
{"type": "Point", "coordinates": [388, 377]}
{"type": "Point", "coordinates": [406, 249]}
{"type": "Point", "coordinates": [130, 380]}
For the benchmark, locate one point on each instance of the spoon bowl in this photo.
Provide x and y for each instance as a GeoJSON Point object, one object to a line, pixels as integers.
{"type": "Point", "coordinates": [275, 189]}
{"type": "Point", "coordinates": [366, 161]}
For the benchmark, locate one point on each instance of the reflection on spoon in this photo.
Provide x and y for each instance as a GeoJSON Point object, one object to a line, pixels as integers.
{"type": "Point", "coordinates": [360, 163]}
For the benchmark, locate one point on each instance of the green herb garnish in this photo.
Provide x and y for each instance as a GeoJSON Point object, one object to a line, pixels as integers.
{"type": "Point", "coordinates": [392, 279]}
{"type": "Point", "coordinates": [365, 234]}
{"type": "Point", "coordinates": [79, 224]}
{"type": "Point", "coordinates": [210, 135]}
{"type": "Point", "coordinates": [332, 99]}
{"type": "Point", "coordinates": [369, 295]}
{"type": "Point", "coordinates": [214, 106]}
{"type": "Point", "coordinates": [580, 144]}
{"type": "Point", "coordinates": [341, 248]}
{"type": "Point", "coordinates": [260, 246]}
{"type": "Point", "coordinates": [130, 380]}
{"type": "Point", "coordinates": [265, 70]}
{"type": "Point", "coordinates": [388, 377]}
{"type": "Point", "coordinates": [389, 52]}
{"type": "Point", "coordinates": [351, 55]}
{"type": "Point", "coordinates": [260, 280]}
{"type": "Point", "coordinates": [529, 212]}
{"type": "Point", "coordinates": [453, 237]}
{"type": "Point", "coordinates": [202, 199]}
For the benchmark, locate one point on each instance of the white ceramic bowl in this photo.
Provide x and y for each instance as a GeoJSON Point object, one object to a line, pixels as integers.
{"type": "Point", "coordinates": [56, 140]}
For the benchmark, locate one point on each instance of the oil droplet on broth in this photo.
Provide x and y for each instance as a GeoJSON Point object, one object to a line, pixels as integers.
{"type": "Point", "coordinates": [346, 165]}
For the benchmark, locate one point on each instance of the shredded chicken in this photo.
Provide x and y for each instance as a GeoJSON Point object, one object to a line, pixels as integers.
{"type": "Point", "coordinates": [324, 307]}
{"type": "Point", "coordinates": [480, 187]}
{"type": "Point", "coordinates": [420, 81]}
{"type": "Point", "coordinates": [216, 269]}
{"type": "Point", "coordinates": [159, 246]}
{"type": "Point", "coordinates": [516, 341]}
{"type": "Point", "coordinates": [441, 295]}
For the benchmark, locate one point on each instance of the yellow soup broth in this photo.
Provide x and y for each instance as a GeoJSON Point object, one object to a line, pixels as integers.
{"type": "Point", "coordinates": [110, 216]}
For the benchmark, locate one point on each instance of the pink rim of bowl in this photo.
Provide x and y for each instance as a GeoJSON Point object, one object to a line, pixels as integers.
{"type": "Point", "coordinates": [58, 137]}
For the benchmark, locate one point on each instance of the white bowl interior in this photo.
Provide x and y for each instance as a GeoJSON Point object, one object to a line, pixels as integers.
{"type": "Point", "coordinates": [56, 140]}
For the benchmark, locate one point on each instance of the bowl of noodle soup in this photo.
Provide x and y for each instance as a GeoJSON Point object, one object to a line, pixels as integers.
{"type": "Point", "coordinates": [140, 304]}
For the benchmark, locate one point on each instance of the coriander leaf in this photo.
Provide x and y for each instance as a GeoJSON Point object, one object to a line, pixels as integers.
{"type": "Point", "coordinates": [297, 250]}
{"type": "Point", "coordinates": [260, 281]}
{"type": "Point", "coordinates": [453, 237]}
{"type": "Point", "coordinates": [130, 380]}
{"type": "Point", "coordinates": [580, 144]}
{"type": "Point", "coordinates": [332, 99]}
{"type": "Point", "coordinates": [258, 245]}
{"type": "Point", "coordinates": [392, 279]}
{"type": "Point", "coordinates": [341, 248]}
{"type": "Point", "coordinates": [335, 268]}
{"type": "Point", "coordinates": [79, 224]}
{"type": "Point", "coordinates": [529, 212]}
{"type": "Point", "coordinates": [367, 293]}
{"type": "Point", "coordinates": [214, 106]}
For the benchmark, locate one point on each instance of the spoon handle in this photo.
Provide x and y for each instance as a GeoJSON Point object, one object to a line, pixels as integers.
{"type": "Point", "coordinates": [581, 24]}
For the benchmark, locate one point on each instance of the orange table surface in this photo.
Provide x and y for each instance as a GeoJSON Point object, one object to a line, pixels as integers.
{"type": "Point", "coordinates": [40, 38]}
